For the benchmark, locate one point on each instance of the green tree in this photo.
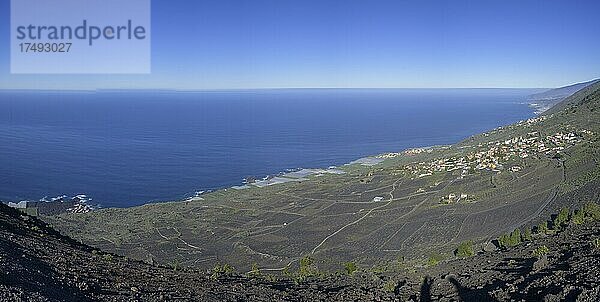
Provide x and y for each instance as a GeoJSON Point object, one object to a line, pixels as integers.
{"type": "Point", "coordinates": [578, 217]}
{"type": "Point", "coordinates": [512, 239]}
{"type": "Point", "coordinates": [527, 236]}
{"type": "Point", "coordinates": [592, 210]}
{"type": "Point", "coordinates": [561, 219]}
{"type": "Point", "coordinates": [515, 237]}
{"type": "Point", "coordinates": [540, 251]}
{"type": "Point", "coordinates": [307, 269]}
{"type": "Point", "coordinates": [465, 249]}
{"type": "Point", "coordinates": [542, 228]}
{"type": "Point", "coordinates": [504, 240]}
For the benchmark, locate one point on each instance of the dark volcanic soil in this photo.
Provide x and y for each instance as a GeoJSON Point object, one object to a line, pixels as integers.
{"type": "Point", "coordinates": [569, 272]}
{"type": "Point", "coordinates": [39, 264]}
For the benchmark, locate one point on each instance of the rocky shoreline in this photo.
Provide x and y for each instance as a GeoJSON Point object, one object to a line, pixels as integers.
{"type": "Point", "coordinates": [55, 206]}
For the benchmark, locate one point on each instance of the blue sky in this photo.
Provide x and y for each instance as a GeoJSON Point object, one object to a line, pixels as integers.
{"type": "Point", "coordinates": [288, 44]}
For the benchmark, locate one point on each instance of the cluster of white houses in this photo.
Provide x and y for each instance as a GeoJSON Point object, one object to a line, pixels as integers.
{"type": "Point", "coordinates": [498, 153]}
{"type": "Point", "coordinates": [454, 198]}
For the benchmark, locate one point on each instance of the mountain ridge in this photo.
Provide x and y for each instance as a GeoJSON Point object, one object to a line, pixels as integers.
{"type": "Point", "coordinates": [541, 102]}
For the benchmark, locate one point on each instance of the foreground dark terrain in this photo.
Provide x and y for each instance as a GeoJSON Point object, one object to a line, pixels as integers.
{"type": "Point", "coordinates": [39, 264]}
{"type": "Point", "coordinates": [511, 214]}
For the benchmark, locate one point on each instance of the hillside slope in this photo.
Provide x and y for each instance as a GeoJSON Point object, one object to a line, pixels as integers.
{"type": "Point", "coordinates": [38, 264]}
{"type": "Point", "coordinates": [411, 204]}
{"type": "Point", "coordinates": [543, 101]}
{"type": "Point", "coordinates": [562, 92]}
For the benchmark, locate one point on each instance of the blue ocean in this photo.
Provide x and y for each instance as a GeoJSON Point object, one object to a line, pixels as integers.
{"type": "Point", "coordinates": [127, 148]}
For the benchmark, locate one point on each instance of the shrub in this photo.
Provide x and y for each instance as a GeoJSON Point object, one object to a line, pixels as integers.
{"type": "Point", "coordinates": [286, 272]}
{"type": "Point", "coordinates": [221, 270]}
{"type": "Point", "coordinates": [390, 286]}
{"type": "Point", "coordinates": [540, 251]}
{"type": "Point", "coordinates": [400, 262]}
{"type": "Point", "coordinates": [254, 270]}
{"type": "Point", "coordinates": [350, 268]}
{"type": "Point", "coordinates": [228, 269]}
{"type": "Point", "coordinates": [271, 278]}
{"type": "Point", "coordinates": [176, 265]}
{"type": "Point", "coordinates": [465, 249]}
{"type": "Point", "coordinates": [596, 243]}
{"type": "Point", "coordinates": [435, 258]}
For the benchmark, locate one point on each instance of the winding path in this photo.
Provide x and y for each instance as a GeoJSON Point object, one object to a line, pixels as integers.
{"type": "Point", "coordinates": [391, 193]}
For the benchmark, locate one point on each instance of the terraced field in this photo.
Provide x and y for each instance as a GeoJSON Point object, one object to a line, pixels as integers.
{"type": "Point", "coordinates": [371, 214]}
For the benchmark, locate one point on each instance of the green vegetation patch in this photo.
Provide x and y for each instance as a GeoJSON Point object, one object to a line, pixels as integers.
{"type": "Point", "coordinates": [541, 251]}
{"type": "Point", "coordinates": [465, 249]}
{"type": "Point", "coordinates": [435, 258]}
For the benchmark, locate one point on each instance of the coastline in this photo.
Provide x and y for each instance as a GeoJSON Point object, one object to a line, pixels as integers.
{"type": "Point", "coordinates": [81, 203]}
{"type": "Point", "coordinates": [280, 177]}
{"type": "Point", "coordinates": [303, 174]}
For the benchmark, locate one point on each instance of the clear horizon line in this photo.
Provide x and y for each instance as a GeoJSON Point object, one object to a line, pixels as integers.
{"type": "Point", "coordinates": [259, 88]}
{"type": "Point", "coordinates": [274, 88]}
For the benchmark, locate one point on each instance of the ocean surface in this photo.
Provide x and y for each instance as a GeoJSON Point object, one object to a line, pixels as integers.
{"type": "Point", "coordinates": [126, 148]}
